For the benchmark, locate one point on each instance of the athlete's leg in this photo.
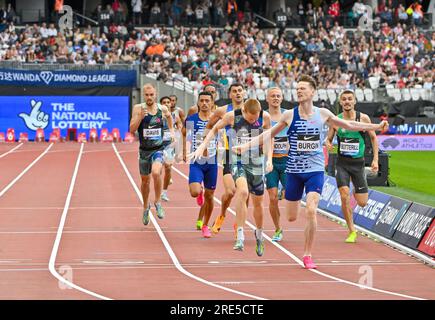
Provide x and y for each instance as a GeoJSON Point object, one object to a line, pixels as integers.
{"type": "Point", "coordinates": [195, 189]}
{"type": "Point", "coordinates": [210, 172]}
{"type": "Point", "coordinates": [145, 190]}
{"type": "Point", "coordinates": [230, 190]}
{"type": "Point", "coordinates": [241, 196]}
{"type": "Point", "coordinates": [156, 170]}
{"type": "Point", "coordinates": [273, 207]}
{"type": "Point", "coordinates": [346, 208]}
{"type": "Point", "coordinates": [313, 187]}
{"type": "Point", "coordinates": [208, 204]}
{"type": "Point", "coordinates": [167, 177]}
{"type": "Point", "coordinates": [311, 226]}
{"type": "Point", "coordinates": [361, 198]}
{"type": "Point", "coordinates": [258, 210]}
{"type": "Point", "coordinates": [272, 181]}
{"type": "Point", "coordinates": [145, 174]}
{"type": "Point", "coordinates": [196, 176]}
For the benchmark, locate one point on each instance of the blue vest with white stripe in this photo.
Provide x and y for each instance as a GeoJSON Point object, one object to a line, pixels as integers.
{"type": "Point", "coordinates": [306, 138]}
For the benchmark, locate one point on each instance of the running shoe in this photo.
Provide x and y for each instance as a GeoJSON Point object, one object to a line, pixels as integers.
{"type": "Point", "coordinates": [205, 231]}
{"type": "Point", "coordinates": [198, 224]}
{"type": "Point", "coordinates": [277, 237]}
{"type": "Point", "coordinates": [259, 246]}
{"type": "Point", "coordinates": [200, 198]}
{"type": "Point", "coordinates": [159, 210]}
{"type": "Point", "coordinates": [165, 196]}
{"type": "Point", "coordinates": [239, 245]}
{"type": "Point", "coordinates": [308, 263]}
{"type": "Point", "coordinates": [146, 215]}
{"type": "Point", "coordinates": [351, 238]}
{"type": "Point", "coordinates": [218, 224]}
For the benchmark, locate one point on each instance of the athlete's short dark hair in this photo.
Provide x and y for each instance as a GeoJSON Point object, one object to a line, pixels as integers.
{"type": "Point", "coordinates": [163, 98]}
{"type": "Point", "coordinates": [237, 84]}
{"type": "Point", "coordinates": [205, 93]}
{"type": "Point", "coordinates": [309, 79]}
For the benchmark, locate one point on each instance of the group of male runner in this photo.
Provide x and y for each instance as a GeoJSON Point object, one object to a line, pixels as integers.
{"type": "Point", "coordinates": [261, 147]}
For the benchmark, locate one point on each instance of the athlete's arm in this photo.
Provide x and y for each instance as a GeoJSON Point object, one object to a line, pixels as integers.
{"type": "Point", "coordinates": [333, 120]}
{"type": "Point", "coordinates": [182, 115]}
{"type": "Point", "coordinates": [286, 120]}
{"type": "Point", "coordinates": [375, 163]}
{"type": "Point", "coordinates": [217, 115]}
{"type": "Point", "coordinates": [268, 150]}
{"type": "Point", "coordinates": [225, 121]}
{"type": "Point", "coordinates": [136, 118]}
{"type": "Point", "coordinates": [183, 134]}
{"type": "Point", "coordinates": [168, 117]}
{"type": "Point", "coordinates": [192, 110]}
{"type": "Point", "coordinates": [330, 138]}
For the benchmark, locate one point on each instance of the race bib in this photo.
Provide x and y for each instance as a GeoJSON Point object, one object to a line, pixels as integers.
{"type": "Point", "coordinates": [243, 140]}
{"type": "Point", "coordinates": [152, 134]}
{"type": "Point", "coordinates": [166, 136]}
{"type": "Point", "coordinates": [349, 146]}
{"type": "Point", "coordinates": [211, 148]}
{"type": "Point", "coordinates": [308, 142]}
{"type": "Point", "coordinates": [280, 145]}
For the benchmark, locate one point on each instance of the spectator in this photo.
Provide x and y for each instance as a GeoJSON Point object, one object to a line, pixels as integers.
{"type": "Point", "coordinates": [417, 12]}
{"type": "Point", "coordinates": [401, 14]}
{"type": "Point", "coordinates": [199, 15]}
{"type": "Point", "coordinates": [190, 15]}
{"type": "Point", "coordinates": [155, 15]}
{"type": "Point", "coordinates": [218, 13]}
{"type": "Point", "coordinates": [177, 10]}
{"type": "Point", "coordinates": [301, 13]}
{"type": "Point", "coordinates": [137, 11]}
{"type": "Point", "coordinates": [232, 10]}
{"type": "Point", "coordinates": [334, 10]}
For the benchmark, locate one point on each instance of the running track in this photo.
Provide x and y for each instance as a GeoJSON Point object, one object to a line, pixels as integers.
{"type": "Point", "coordinates": [70, 209]}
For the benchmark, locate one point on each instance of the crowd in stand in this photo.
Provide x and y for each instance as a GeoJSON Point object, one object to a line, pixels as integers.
{"type": "Point", "coordinates": [175, 12]}
{"type": "Point", "coordinates": [402, 55]}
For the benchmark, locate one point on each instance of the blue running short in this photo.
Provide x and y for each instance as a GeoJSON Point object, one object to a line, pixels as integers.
{"type": "Point", "coordinates": [206, 173]}
{"type": "Point", "coordinates": [296, 182]}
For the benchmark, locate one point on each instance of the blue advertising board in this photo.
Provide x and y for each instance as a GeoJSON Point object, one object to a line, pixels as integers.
{"type": "Point", "coordinates": [125, 78]}
{"type": "Point", "coordinates": [28, 113]}
{"type": "Point", "coordinates": [367, 216]}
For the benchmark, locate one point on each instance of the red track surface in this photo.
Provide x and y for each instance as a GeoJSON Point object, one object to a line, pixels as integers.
{"type": "Point", "coordinates": [110, 253]}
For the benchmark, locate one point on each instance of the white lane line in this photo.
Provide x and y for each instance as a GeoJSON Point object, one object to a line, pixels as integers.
{"type": "Point", "coordinates": [25, 170]}
{"type": "Point", "coordinates": [54, 251]}
{"type": "Point", "coordinates": [297, 260]}
{"type": "Point", "coordinates": [168, 246]}
{"type": "Point", "coordinates": [10, 151]}
{"type": "Point", "coordinates": [132, 230]}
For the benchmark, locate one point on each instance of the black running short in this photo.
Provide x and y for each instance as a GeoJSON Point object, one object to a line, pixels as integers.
{"type": "Point", "coordinates": [349, 168]}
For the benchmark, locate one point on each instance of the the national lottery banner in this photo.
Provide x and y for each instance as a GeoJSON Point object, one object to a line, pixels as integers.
{"type": "Point", "coordinates": [30, 113]}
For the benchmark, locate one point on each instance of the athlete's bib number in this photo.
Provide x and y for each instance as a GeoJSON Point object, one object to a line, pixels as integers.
{"type": "Point", "coordinates": [349, 146]}
{"type": "Point", "coordinates": [243, 140]}
{"type": "Point", "coordinates": [211, 148]}
{"type": "Point", "coordinates": [280, 145]}
{"type": "Point", "coordinates": [166, 136]}
{"type": "Point", "coordinates": [308, 143]}
{"type": "Point", "coordinates": [152, 134]}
